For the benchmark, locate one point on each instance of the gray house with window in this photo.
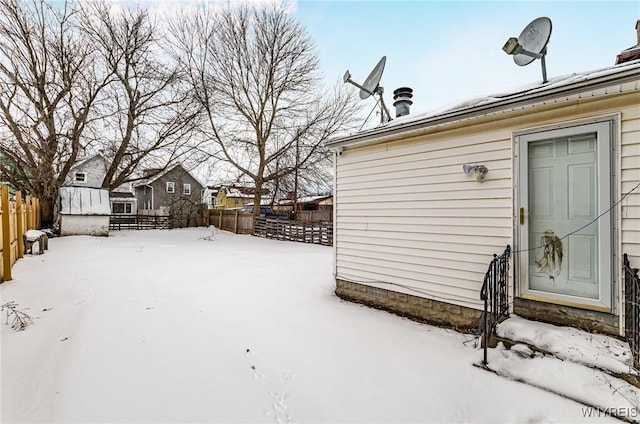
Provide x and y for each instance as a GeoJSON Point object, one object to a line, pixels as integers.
{"type": "Point", "coordinates": [173, 191]}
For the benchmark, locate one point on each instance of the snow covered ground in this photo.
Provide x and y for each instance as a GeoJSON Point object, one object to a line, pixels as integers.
{"type": "Point", "coordinates": [164, 326]}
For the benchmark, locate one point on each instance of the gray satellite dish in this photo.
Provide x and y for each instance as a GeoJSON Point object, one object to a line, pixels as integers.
{"type": "Point", "coordinates": [371, 86]}
{"type": "Point", "coordinates": [531, 44]}
{"type": "Point", "coordinates": [533, 39]}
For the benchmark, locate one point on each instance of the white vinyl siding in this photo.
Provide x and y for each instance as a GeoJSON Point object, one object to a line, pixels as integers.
{"type": "Point", "coordinates": [407, 214]}
{"type": "Point", "coordinates": [629, 178]}
{"type": "Point", "coordinates": [408, 219]}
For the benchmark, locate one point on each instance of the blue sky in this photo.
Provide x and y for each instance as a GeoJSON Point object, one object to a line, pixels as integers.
{"type": "Point", "coordinates": [452, 50]}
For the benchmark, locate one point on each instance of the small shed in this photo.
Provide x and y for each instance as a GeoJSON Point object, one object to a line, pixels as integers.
{"type": "Point", "coordinates": [84, 211]}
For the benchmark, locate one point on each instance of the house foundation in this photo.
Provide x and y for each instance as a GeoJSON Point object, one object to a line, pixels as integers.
{"type": "Point", "coordinates": [582, 319]}
{"type": "Point", "coordinates": [409, 306]}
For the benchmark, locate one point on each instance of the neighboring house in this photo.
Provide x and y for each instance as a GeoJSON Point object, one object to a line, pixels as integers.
{"type": "Point", "coordinates": [414, 232]}
{"type": "Point", "coordinates": [90, 172]}
{"type": "Point", "coordinates": [236, 196]}
{"type": "Point", "coordinates": [123, 203]}
{"type": "Point", "coordinates": [308, 208]}
{"type": "Point", "coordinates": [84, 211]}
{"type": "Point", "coordinates": [315, 203]}
{"type": "Point", "coordinates": [209, 196]}
{"type": "Point", "coordinates": [174, 191]}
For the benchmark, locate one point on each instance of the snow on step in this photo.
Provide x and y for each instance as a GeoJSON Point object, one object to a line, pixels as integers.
{"type": "Point", "coordinates": [594, 350]}
{"type": "Point", "coordinates": [589, 386]}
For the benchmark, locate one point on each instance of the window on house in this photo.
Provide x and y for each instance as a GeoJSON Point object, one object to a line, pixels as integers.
{"type": "Point", "coordinates": [120, 207]}
{"type": "Point", "coordinates": [186, 188]}
{"type": "Point", "coordinates": [80, 177]}
{"type": "Point", "coordinates": [171, 187]}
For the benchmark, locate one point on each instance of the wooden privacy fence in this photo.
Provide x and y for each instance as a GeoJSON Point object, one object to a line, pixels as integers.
{"type": "Point", "coordinates": [324, 215]}
{"type": "Point", "coordinates": [318, 232]}
{"type": "Point", "coordinates": [232, 220]}
{"type": "Point", "coordinates": [18, 216]}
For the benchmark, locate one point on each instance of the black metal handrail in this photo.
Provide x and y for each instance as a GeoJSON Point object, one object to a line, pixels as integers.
{"type": "Point", "coordinates": [632, 310]}
{"type": "Point", "coordinates": [495, 294]}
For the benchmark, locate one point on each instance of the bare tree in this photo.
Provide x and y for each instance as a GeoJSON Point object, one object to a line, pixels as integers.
{"type": "Point", "coordinates": [147, 111]}
{"type": "Point", "coordinates": [313, 176]}
{"type": "Point", "coordinates": [48, 84]}
{"type": "Point", "coordinates": [255, 73]}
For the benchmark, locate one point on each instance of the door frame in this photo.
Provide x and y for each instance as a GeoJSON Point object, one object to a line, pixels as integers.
{"type": "Point", "coordinates": [606, 158]}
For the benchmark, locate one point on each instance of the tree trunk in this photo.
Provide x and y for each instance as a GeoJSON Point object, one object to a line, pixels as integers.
{"type": "Point", "coordinates": [257, 198]}
{"type": "Point", "coordinates": [47, 209]}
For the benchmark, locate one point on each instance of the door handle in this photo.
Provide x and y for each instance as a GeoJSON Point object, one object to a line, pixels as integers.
{"type": "Point", "coordinates": [521, 216]}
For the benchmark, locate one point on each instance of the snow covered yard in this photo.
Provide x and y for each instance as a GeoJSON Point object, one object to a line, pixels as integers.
{"type": "Point", "coordinates": [164, 326]}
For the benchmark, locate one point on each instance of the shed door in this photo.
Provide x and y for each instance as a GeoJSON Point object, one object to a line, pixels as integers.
{"type": "Point", "coordinates": [565, 184]}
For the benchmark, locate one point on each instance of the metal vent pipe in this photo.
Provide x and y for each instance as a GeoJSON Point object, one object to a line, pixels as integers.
{"type": "Point", "coordinates": [402, 100]}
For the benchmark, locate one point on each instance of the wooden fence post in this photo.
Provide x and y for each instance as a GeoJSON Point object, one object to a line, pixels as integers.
{"type": "Point", "coordinates": [38, 220]}
{"type": "Point", "coordinates": [29, 206]}
{"type": "Point", "coordinates": [235, 224]}
{"type": "Point", "coordinates": [20, 230]}
{"type": "Point", "coordinates": [6, 234]}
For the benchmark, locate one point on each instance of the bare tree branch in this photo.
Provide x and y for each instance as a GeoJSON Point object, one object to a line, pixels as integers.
{"type": "Point", "coordinates": [256, 75]}
{"type": "Point", "coordinates": [149, 115]}
{"type": "Point", "coordinates": [47, 89]}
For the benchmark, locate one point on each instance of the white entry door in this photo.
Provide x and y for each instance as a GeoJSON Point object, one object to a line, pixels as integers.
{"type": "Point", "coordinates": [564, 186]}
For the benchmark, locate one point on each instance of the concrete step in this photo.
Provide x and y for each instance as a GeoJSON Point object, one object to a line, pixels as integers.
{"type": "Point", "coordinates": [600, 351]}
{"type": "Point", "coordinates": [592, 369]}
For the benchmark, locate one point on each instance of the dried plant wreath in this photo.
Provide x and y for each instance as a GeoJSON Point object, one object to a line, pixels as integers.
{"type": "Point", "coordinates": [549, 257]}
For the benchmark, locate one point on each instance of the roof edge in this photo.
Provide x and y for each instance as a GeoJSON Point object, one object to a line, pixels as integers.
{"type": "Point", "coordinates": [518, 99]}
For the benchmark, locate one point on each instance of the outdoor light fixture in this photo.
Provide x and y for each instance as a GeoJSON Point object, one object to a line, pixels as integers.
{"type": "Point", "coordinates": [479, 170]}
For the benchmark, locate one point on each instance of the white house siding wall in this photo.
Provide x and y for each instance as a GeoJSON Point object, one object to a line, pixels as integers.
{"type": "Point", "coordinates": [629, 178]}
{"type": "Point", "coordinates": [408, 215]}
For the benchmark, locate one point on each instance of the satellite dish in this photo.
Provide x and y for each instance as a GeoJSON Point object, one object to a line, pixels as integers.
{"type": "Point", "coordinates": [370, 85]}
{"type": "Point", "coordinates": [533, 39]}
{"type": "Point", "coordinates": [531, 44]}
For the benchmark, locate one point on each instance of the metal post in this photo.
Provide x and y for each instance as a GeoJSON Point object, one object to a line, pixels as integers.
{"type": "Point", "coordinates": [485, 331]}
{"type": "Point", "coordinates": [544, 66]}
